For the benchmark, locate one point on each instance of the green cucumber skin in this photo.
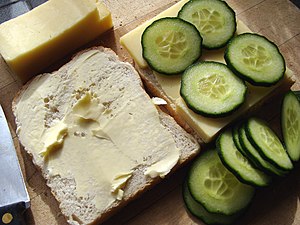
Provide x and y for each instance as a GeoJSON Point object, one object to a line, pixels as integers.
{"type": "Point", "coordinates": [257, 163]}
{"type": "Point", "coordinates": [240, 210]}
{"type": "Point", "coordinates": [210, 218]}
{"type": "Point", "coordinates": [211, 115]}
{"type": "Point", "coordinates": [250, 138]}
{"type": "Point", "coordinates": [180, 71]}
{"type": "Point", "coordinates": [246, 78]}
{"type": "Point", "coordinates": [236, 139]}
{"type": "Point", "coordinates": [248, 154]}
{"type": "Point", "coordinates": [296, 94]}
{"type": "Point", "coordinates": [235, 172]}
{"type": "Point", "coordinates": [221, 45]}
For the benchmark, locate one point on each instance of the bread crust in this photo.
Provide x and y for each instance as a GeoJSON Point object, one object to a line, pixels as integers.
{"type": "Point", "coordinates": [138, 183]}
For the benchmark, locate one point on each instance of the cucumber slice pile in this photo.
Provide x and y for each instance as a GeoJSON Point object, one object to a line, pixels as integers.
{"type": "Point", "coordinates": [170, 45]}
{"type": "Point", "coordinates": [268, 144]}
{"type": "Point", "coordinates": [253, 155]}
{"type": "Point", "coordinates": [215, 187]}
{"type": "Point", "coordinates": [255, 59]}
{"type": "Point", "coordinates": [211, 89]}
{"type": "Point", "coordinates": [290, 123]}
{"type": "Point", "coordinates": [222, 181]}
{"type": "Point", "coordinates": [237, 163]}
{"type": "Point", "coordinates": [214, 19]}
{"type": "Point", "coordinates": [200, 212]}
{"type": "Point", "coordinates": [212, 193]}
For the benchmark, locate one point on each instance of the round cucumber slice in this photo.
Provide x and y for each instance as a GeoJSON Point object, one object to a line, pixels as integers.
{"type": "Point", "coordinates": [290, 124]}
{"type": "Point", "coordinates": [267, 143]}
{"type": "Point", "coordinates": [215, 187]}
{"type": "Point", "coordinates": [211, 89]}
{"type": "Point", "coordinates": [237, 163]}
{"type": "Point", "coordinates": [170, 45]}
{"type": "Point", "coordinates": [255, 59]}
{"type": "Point", "coordinates": [214, 19]}
{"type": "Point", "coordinates": [254, 156]}
{"type": "Point", "coordinates": [196, 209]}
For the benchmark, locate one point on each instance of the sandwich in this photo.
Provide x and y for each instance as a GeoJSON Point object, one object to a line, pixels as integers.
{"type": "Point", "coordinates": [168, 86]}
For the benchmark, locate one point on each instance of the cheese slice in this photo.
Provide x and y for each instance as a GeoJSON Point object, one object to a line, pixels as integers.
{"type": "Point", "coordinates": [207, 128]}
{"type": "Point", "coordinates": [35, 40]}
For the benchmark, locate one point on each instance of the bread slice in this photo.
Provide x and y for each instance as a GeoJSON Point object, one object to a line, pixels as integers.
{"type": "Point", "coordinates": [49, 98]}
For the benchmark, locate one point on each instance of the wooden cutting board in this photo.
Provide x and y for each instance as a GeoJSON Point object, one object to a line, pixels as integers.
{"type": "Point", "coordinates": [278, 20]}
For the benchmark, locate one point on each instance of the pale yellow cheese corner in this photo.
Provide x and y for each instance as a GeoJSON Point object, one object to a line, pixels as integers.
{"type": "Point", "coordinates": [35, 40]}
{"type": "Point", "coordinates": [207, 128]}
{"type": "Point", "coordinates": [132, 40]}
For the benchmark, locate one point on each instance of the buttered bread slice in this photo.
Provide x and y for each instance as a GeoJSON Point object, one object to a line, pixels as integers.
{"type": "Point", "coordinates": [96, 135]}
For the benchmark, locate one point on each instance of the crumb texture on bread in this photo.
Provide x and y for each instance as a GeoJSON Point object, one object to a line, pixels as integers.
{"type": "Point", "coordinates": [96, 135]}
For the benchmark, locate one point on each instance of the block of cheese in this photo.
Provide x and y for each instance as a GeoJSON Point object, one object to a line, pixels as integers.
{"type": "Point", "coordinates": [168, 87]}
{"type": "Point", "coordinates": [35, 40]}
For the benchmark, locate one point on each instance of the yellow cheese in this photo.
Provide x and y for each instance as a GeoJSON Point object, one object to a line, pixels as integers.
{"type": "Point", "coordinates": [106, 129]}
{"type": "Point", "coordinates": [35, 40]}
{"type": "Point", "coordinates": [207, 128]}
{"type": "Point", "coordinates": [131, 41]}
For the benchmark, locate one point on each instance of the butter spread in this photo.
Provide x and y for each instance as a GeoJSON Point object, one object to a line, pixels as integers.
{"type": "Point", "coordinates": [158, 101]}
{"type": "Point", "coordinates": [102, 124]}
{"type": "Point", "coordinates": [53, 138]}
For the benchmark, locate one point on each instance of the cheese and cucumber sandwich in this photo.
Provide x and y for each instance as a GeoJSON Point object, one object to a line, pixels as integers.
{"type": "Point", "coordinates": [97, 136]}
{"type": "Point", "coordinates": [169, 54]}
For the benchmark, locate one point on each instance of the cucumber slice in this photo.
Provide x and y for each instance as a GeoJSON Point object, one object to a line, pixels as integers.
{"type": "Point", "coordinates": [236, 140]}
{"type": "Point", "coordinates": [170, 45]}
{"type": "Point", "coordinates": [215, 187]}
{"type": "Point", "coordinates": [255, 59]}
{"type": "Point", "coordinates": [214, 19]}
{"type": "Point", "coordinates": [290, 124]}
{"type": "Point", "coordinates": [238, 164]}
{"type": "Point", "coordinates": [297, 93]}
{"type": "Point", "coordinates": [267, 143]}
{"type": "Point", "coordinates": [211, 89]}
{"type": "Point", "coordinates": [255, 157]}
{"type": "Point", "coordinates": [200, 212]}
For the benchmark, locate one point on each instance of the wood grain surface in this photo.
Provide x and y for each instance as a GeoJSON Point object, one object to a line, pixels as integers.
{"type": "Point", "coordinates": [279, 20]}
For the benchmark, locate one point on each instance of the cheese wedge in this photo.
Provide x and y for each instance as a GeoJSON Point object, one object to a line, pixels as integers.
{"type": "Point", "coordinates": [206, 128]}
{"type": "Point", "coordinates": [35, 40]}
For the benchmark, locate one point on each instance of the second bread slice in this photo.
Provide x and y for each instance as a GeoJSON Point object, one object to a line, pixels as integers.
{"type": "Point", "coordinates": [96, 136]}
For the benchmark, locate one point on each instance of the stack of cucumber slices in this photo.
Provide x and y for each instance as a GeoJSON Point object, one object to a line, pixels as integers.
{"type": "Point", "coordinates": [222, 182]}
{"type": "Point", "coordinates": [173, 46]}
